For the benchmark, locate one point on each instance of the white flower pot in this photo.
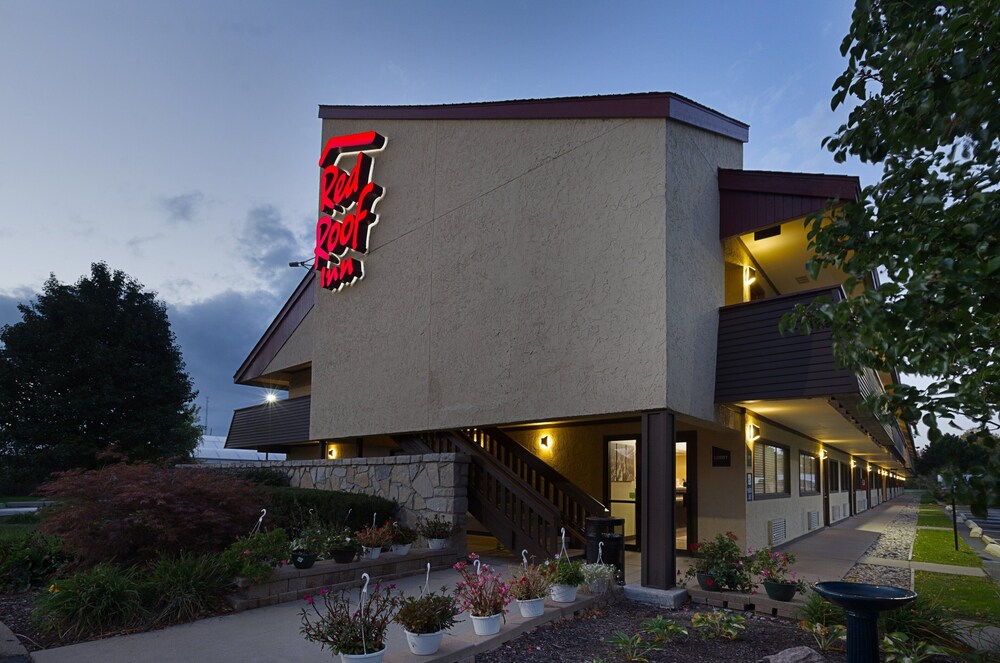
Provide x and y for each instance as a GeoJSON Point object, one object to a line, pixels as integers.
{"type": "Point", "coordinates": [487, 625]}
{"type": "Point", "coordinates": [401, 549]}
{"type": "Point", "coordinates": [371, 553]}
{"type": "Point", "coordinates": [563, 593]}
{"type": "Point", "coordinates": [374, 657]}
{"type": "Point", "coordinates": [531, 607]}
{"type": "Point", "coordinates": [424, 644]}
{"type": "Point", "coordinates": [436, 544]}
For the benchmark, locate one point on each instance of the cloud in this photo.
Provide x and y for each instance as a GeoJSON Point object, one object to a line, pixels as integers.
{"type": "Point", "coordinates": [8, 305]}
{"type": "Point", "coordinates": [182, 207]}
{"type": "Point", "coordinates": [135, 244]}
{"type": "Point", "coordinates": [268, 246]}
{"type": "Point", "coordinates": [215, 336]}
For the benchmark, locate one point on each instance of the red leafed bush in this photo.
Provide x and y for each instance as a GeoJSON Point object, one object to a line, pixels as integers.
{"type": "Point", "coordinates": [132, 513]}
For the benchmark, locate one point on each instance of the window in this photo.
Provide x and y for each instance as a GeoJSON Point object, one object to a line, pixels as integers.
{"type": "Point", "coordinates": [845, 476]}
{"type": "Point", "coordinates": [833, 475]}
{"type": "Point", "coordinates": [770, 470]}
{"type": "Point", "coordinates": [808, 474]}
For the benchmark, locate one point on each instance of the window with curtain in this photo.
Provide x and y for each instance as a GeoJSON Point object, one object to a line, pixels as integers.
{"type": "Point", "coordinates": [770, 470]}
{"type": "Point", "coordinates": [808, 474]}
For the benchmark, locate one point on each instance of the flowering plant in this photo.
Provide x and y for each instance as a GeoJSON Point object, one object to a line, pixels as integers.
{"type": "Point", "coordinates": [348, 630]}
{"type": "Point", "coordinates": [597, 577]}
{"type": "Point", "coordinates": [374, 537]}
{"type": "Point", "coordinates": [255, 556]}
{"type": "Point", "coordinates": [530, 583]}
{"type": "Point", "coordinates": [429, 613]}
{"type": "Point", "coordinates": [565, 571]}
{"type": "Point", "coordinates": [436, 528]}
{"type": "Point", "coordinates": [338, 540]}
{"type": "Point", "coordinates": [483, 593]}
{"type": "Point", "coordinates": [723, 560]}
{"type": "Point", "coordinates": [402, 535]}
{"type": "Point", "coordinates": [772, 566]}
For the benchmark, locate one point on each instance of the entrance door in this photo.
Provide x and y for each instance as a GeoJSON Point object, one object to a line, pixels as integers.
{"type": "Point", "coordinates": [685, 489]}
{"type": "Point", "coordinates": [622, 485]}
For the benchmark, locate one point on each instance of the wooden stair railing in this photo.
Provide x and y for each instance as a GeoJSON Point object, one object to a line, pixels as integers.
{"type": "Point", "coordinates": [574, 504]}
{"type": "Point", "coordinates": [516, 515]}
{"type": "Point", "coordinates": [412, 444]}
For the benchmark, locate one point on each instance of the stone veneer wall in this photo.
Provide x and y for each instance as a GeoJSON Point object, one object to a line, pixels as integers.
{"type": "Point", "coordinates": [423, 485]}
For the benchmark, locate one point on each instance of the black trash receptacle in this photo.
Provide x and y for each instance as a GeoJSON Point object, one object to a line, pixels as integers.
{"type": "Point", "coordinates": [610, 532]}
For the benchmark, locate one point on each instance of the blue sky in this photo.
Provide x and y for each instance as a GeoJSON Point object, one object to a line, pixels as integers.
{"type": "Point", "coordinates": [177, 141]}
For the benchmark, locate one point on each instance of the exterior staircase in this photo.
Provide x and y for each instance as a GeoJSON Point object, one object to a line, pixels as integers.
{"type": "Point", "coordinates": [521, 499]}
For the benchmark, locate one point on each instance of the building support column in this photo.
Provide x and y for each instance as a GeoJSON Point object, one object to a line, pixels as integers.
{"type": "Point", "coordinates": [659, 474]}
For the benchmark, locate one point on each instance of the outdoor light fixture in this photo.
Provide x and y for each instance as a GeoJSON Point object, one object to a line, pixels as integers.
{"type": "Point", "coordinates": [854, 463]}
{"type": "Point", "coordinates": [331, 452]}
{"type": "Point", "coordinates": [749, 275]}
{"type": "Point", "coordinates": [271, 397]}
{"type": "Point", "coordinates": [753, 433]}
{"type": "Point", "coordinates": [868, 468]}
{"type": "Point", "coordinates": [545, 441]}
{"type": "Point", "coordinates": [822, 454]}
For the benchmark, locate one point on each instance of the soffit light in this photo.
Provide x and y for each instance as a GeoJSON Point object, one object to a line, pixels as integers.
{"type": "Point", "coordinates": [749, 275]}
{"type": "Point", "coordinates": [752, 433]}
{"type": "Point", "coordinates": [545, 441]}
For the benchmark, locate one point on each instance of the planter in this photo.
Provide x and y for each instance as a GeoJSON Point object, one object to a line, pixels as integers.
{"type": "Point", "coordinates": [487, 625]}
{"type": "Point", "coordinates": [344, 556]}
{"type": "Point", "coordinates": [303, 560]}
{"type": "Point", "coordinates": [562, 593]}
{"type": "Point", "coordinates": [375, 657]}
{"type": "Point", "coordinates": [401, 548]}
{"type": "Point", "coordinates": [424, 644]}
{"type": "Point", "coordinates": [531, 607]}
{"type": "Point", "coordinates": [436, 544]}
{"type": "Point", "coordinates": [780, 591]}
{"type": "Point", "coordinates": [370, 553]}
{"type": "Point", "coordinates": [707, 582]}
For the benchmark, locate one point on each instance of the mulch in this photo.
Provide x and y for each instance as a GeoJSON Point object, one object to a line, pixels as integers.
{"type": "Point", "coordinates": [581, 640]}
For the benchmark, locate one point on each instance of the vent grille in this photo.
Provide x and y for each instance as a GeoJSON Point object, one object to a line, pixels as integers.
{"type": "Point", "coordinates": [836, 512]}
{"type": "Point", "coordinates": [802, 280]}
{"type": "Point", "coordinates": [775, 531]}
{"type": "Point", "coordinates": [813, 520]}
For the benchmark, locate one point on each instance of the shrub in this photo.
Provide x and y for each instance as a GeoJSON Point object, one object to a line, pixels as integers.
{"type": "Point", "coordinates": [723, 559]}
{"type": "Point", "coordinates": [29, 560]}
{"type": "Point", "coordinates": [290, 508]}
{"type": "Point", "coordinates": [564, 571]}
{"type": "Point", "coordinates": [184, 588]}
{"type": "Point", "coordinates": [103, 599]}
{"type": "Point", "coordinates": [818, 610]}
{"type": "Point", "coordinates": [132, 513]}
{"type": "Point", "coordinates": [255, 556]}
{"type": "Point", "coordinates": [924, 620]}
{"type": "Point", "coordinates": [262, 476]}
{"type": "Point", "coordinates": [436, 528]}
{"type": "Point", "coordinates": [716, 624]}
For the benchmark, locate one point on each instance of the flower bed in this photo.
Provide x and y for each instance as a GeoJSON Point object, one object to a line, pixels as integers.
{"type": "Point", "coordinates": [289, 584]}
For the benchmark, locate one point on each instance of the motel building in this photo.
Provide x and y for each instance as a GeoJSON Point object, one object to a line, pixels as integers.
{"type": "Point", "coordinates": [581, 298]}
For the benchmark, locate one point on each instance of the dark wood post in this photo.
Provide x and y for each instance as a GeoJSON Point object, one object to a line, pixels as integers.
{"type": "Point", "coordinates": [658, 536]}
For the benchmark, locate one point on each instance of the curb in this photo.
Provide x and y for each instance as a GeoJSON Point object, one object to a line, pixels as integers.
{"type": "Point", "coordinates": [11, 649]}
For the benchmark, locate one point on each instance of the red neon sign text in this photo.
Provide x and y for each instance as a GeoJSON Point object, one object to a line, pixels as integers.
{"type": "Point", "coordinates": [351, 194]}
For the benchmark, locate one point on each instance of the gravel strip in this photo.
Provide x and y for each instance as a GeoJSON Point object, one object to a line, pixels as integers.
{"type": "Point", "coordinates": [873, 574]}
{"type": "Point", "coordinates": [897, 540]}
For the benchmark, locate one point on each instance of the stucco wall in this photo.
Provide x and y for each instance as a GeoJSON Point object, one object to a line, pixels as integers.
{"type": "Point", "coordinates": [721, 497]}
{"type": "Point", "coordinates": [794, 509]}
{"type": "Point", "coordinates": [298, 349]}
{"type": "Point", "coordinates": [516, 274]}
{"type": "Point", "coordinates": [695, 287]}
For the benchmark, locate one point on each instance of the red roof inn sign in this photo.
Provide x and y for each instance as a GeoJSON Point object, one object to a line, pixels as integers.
{"type": "Point", "coordinates": [347, 209]}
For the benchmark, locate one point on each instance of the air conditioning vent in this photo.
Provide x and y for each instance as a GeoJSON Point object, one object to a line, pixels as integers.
{"type": "Point", "coordinates": [836, 512]}
{"type": "Point", "coordinates": [802, 280]}
{"type": "Point", "coordinates": [813, 520]}
{"type": "Point", "coordinates": [775, 531]}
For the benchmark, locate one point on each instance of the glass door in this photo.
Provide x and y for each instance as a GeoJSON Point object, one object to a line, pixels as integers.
{"type": "Point", "coordinates": [685, 489]}
{"type": "Point", "coordinates": [622, 488]}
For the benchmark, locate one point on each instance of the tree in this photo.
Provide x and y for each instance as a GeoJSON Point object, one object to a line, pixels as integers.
{"type": "Point", "coordinates": [962, 453]}
{"type": "Point", "coordinates": [91, 368]}
{"type": "Point", "coordinates": [925, 77]}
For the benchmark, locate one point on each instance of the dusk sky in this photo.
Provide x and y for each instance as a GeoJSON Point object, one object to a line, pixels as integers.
{"type": "Point", "coordinates": [178, 141]}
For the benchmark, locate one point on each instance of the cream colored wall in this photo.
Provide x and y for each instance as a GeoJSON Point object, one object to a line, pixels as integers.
{"type": "Point", "coordinates": [695, 287]}
{"type": "Point", "coordinates": [298, 349]}
{"type": "Point", "coordinates": [576, 452]}
{"type": "Point", "coordinates": [516, 274]}
{"type": "Point", "coordinates": [794, 509]}
{"type": "Point", "coordinates": [300, 383]}
{"type": "Point", "coordinates": [842, 498]}
{"type": "Point", "coordinates": [721, 494]}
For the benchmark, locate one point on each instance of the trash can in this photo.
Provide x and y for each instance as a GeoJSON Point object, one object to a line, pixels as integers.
{"type": "Point", "coordinates": [610, 532]}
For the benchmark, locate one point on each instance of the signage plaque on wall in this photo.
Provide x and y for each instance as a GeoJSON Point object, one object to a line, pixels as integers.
{"type": "Point", "coordinates": [721, 457]}
{"type": "Point", "coordinates": [347, 208]}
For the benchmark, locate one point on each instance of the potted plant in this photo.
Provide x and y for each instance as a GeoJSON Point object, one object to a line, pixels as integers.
{"type": "Point", "coordinates": [357, 633]}
{"type": "Point", "coordinates": [425, 619]}
{"type": "Point", "coordinates": [720, 564]}
{"type": "Point", "coordinates": [530, 585]}
{"type": "Point", "coordinates": [771, 566]}
{"type": "Point", "coordinates": [597, 578]}
{"type": "Point", "coordinates": [372, 539]}
{"type": "Point", "coordinates": [437, 531]}
{"type": "Point", "coordinates": [402, 538]}
{"type": "Point", "coordinates": [567, 576]}
{"type": "Point", "coordinates": [483, 593]}
{"type": "Point", "coordinates": [341, 546]}
{"type": "Point", "coordinates": [307, 547]}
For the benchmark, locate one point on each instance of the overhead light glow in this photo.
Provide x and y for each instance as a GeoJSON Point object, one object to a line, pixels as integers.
{"type": "Point", "coordinates": [270, 397]}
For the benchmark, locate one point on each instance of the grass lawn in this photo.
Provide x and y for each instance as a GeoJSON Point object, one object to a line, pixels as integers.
{"type": "Point", "coordinates": [20, 498]}
{"type": "Point", "coordinates": [14, 531]}
{"type": "Point", "coordinates": [927, 498]}
{"type": "Point", "coordinates": [965, 596]}
{"type": "Point", "coordinates": [939, 547]}
{"type": "Point", "coordinates": [933, 517]}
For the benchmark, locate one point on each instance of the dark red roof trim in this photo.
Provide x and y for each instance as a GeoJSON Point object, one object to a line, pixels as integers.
{"type": "Point", "coordinates": [280, 330]}
{"type": "Point", "coordinates": [751, 200]}
{"type": "Point", "coordinates": [648, 104]}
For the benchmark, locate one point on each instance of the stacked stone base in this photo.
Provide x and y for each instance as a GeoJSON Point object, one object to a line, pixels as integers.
{"type": "Point", "coordinates": [290, 584]}
{"type": "Point", "coordinates": [758, 603]}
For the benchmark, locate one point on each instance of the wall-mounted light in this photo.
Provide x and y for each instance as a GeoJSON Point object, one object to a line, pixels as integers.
{"type": "Point", "coordinates": [331, 452]}
{"type": "Point", "coordinates": [822, 454]}
{"type": "Point", "coordinates": [749, 275]}
{"type": "Point", "coordinates": [868, 468]}
{"type": "Point", "coordinates": [854, 463]}
{"type": "Point", "coordinates": [270, 397]}
{"type": "Point", "coordinates": [752, 433]}
{"type": "Point", "coordinates": [544, 441]}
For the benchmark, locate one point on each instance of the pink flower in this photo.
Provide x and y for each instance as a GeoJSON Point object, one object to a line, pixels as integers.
{"type": "Point", "coordinates": [308, 599]}
{"type": "Point", "coordinates": [324, 592]}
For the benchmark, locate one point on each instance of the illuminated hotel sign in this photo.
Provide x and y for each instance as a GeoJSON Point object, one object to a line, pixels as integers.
{"type": "Point", "coordinates": [347, 209]}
